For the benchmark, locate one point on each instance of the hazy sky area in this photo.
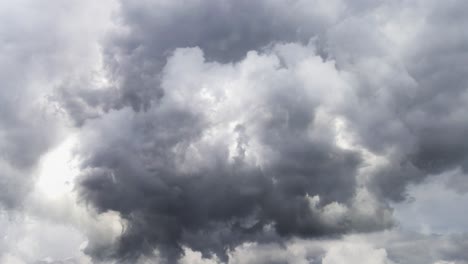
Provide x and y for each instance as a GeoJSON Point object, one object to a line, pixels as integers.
{"type": "Point", "coordinates": [233, 131]}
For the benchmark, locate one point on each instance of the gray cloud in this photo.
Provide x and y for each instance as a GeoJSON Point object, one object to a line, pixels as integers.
{"type": "Point", "coordinates": [243, 146]}
{"type": "Point", "coordinates": [26, 127]}
{"type": "Point", "coordinates": [377, 248]}
{"type": "Point", "coordinates": [196, 171]}
{"type": "Point", "coordinates": [39, 48]}
{"type": "Point", "coordinates": [209, 125]}
{"type": "Point", "coordinates": [148, 32]}
{"type": "Point", "coordinates": [412, 102]}
{"type": "Point", "coordinates": [32, 64]}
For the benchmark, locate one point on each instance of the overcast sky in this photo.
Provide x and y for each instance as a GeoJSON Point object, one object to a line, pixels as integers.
{"type": "Point", "coordinates": [233, 131]}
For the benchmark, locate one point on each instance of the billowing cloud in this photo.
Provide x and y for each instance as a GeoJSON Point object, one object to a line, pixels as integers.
{"type": "Point", "coordinates": [241, 138]}
{"type": "Point", "coordinates": [246, 152]}
{"type": "Point", "coordinates": [279, 131]}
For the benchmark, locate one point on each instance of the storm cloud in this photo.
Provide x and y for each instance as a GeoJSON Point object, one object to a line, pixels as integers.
{"type": "Point", "coordinates": [239, 137]}
{"type": "Point", "coordinates": [222, 131]}
{"type": "Point", "coordinates": [228, 165]}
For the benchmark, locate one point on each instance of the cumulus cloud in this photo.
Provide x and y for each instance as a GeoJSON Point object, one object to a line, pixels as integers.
{"type": "Point", "coordinates": [229, 162]}
{"type": "Point", "coordinates": [282, 131]}
{"type": "Point", "coordinates": [237, 136]}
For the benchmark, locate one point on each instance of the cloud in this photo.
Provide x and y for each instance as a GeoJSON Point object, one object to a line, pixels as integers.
{"type": "Point", "coordinates": [240, 131]}
{"type": "Point", "coordinates": [246, 163]}
{"type": "Point", "coordinates": [23, 139]}
{"type": "Point", "coordinates": [356, 254]}
{"type": "Point", "coordinates": [32, 64]}
{"type": "Point", "coordinates": [41, 45]}
{"type": "Point", "coordinates": [216, 130]}
{"type": "Point", "coordinates": [147, 32]}
{"type": "Point", "coordinates": [51, 224]}
{"type": "Point", "coordinates": [387, 247]}
{"type": "Point", "coordinates": [412, 104]}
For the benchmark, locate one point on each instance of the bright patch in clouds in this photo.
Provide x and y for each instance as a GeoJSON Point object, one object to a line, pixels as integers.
{"type": "Point", "coordinates": [58, 170]}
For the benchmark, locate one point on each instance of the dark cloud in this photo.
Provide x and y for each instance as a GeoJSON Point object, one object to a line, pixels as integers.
{"type": "Point", "coordinates": [410, 90]}
{"type": "Point", "coordinates": [211, 124]}
{"type": "Point", "coordinates": [440, 108]}
{"type": "Point", "coordinates": [135, 53]}
{"type": "Point", "coordinates": [239, 147]}
{"type": "Point", "coordinates": [199, 170]}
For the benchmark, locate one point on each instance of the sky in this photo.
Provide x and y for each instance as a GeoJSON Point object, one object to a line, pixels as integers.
{"type": "Point", "coordinates": [233, 131]}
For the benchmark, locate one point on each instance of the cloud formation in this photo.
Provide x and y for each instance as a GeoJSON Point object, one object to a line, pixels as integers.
{"type": "Point", "coordinates": [32, 63]}
{"type": "Point", "coordinates": [245, 150]}
{"type": "Point", "coordinates": [227, 131]}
